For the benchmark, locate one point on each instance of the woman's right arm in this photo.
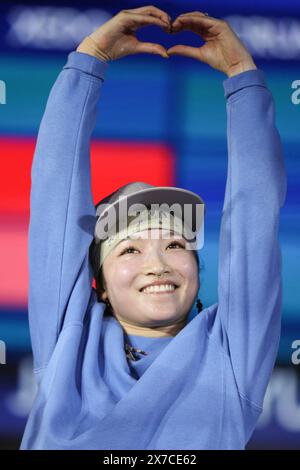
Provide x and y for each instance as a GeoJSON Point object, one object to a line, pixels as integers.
{"type": "Point", "coordinates": [61, 202]}
{"type": "Point", "coordinates": [61, 199]}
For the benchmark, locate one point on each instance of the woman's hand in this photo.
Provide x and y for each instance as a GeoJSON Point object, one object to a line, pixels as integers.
{"type": "Point", "coordinates": [116, 38]}
{"type": "Point", "coordinates": [222, 50]}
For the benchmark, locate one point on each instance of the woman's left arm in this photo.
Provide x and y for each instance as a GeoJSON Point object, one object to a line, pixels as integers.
{"type": "Point", "coordinates": [249, 274]}
{"type": "Point", "coordinates": [249, 287]}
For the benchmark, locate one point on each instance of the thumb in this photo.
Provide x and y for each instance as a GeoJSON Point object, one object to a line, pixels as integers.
{"type": "Point", "coordinates": [184, 50]}
{"type": "Point", "coordinates": [151, 48]}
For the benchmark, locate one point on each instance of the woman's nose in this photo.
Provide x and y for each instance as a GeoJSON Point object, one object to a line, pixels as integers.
{"type": "Point", "coordinates": [158, 270]}
{"type": "Point", "coordinates": [155, 264]}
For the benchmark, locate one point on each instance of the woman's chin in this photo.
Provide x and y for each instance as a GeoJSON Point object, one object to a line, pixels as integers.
{"type": "Point", "coordinates": [161, 315]}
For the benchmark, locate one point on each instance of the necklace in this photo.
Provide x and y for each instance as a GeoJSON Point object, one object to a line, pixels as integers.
{"type": "Point", "coordinates": [130, 350]}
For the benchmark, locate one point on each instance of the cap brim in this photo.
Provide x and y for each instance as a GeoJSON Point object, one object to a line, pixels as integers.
{"type": "Point", "coordinates": [187, 203]}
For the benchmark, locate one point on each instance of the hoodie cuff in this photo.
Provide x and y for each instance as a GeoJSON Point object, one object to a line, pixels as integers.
{"type": "Point", "coordinates": [246, 79]}
{"type": "Point", "coordinates": [87, 63]}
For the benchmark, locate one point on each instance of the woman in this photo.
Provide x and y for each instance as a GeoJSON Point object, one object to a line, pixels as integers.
{"type": "Point", "coordinates": [185, 385]}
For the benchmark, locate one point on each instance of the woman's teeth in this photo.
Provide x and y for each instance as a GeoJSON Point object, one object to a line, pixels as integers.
{"type": "Point", "coordinates": [159, 288]}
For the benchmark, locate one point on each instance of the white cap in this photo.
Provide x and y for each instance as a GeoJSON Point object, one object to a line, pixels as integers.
{"type": "Point", "coordinates": [166, 206]}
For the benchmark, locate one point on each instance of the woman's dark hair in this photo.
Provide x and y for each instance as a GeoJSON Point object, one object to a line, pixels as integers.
{"type": "Point", "coordinates": [94, 257]}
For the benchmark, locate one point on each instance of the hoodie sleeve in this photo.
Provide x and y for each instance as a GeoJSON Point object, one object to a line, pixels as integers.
{"type": "Point", "coordinates": [62, 213]}
{"type": "Point", "coordinates": [249, 271]}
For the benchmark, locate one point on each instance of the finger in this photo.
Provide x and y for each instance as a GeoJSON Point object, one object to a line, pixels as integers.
{"type": "Point", "coordinates": [181, 25]}
{"type": "Point", "coordinates": [153, 11]}
{"type": "Point", "coordinates": [204, 34]}
{"type": "Point", "coordinates": [193, 23]}
{"type": "Point", "coordinates": [151, 48]}
{"type": "Point", "coordinates": [186, 51]}
{"type": "Point", "coordinates": [137, 20]}
{"type": "Point", "coordinates": [198, 53]}
{"type": "Point", "coordinates": [193, 13]}
{"type": "Point", "coordinates": [200, 18]}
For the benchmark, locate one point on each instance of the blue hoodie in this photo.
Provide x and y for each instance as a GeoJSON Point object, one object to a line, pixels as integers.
{"type": "Point", "coordinates": [204, 387]}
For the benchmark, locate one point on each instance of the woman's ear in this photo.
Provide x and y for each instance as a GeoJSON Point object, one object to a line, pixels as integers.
{"type": "Point", "coordinates": [103, 295]}
{"type": "Point", "coordinates": [101, 284]}
{"type": "Point", "coordinates": [101, 291]}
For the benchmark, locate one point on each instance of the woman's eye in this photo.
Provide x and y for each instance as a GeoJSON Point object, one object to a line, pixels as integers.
{"type": "Point", "coordinates": [176, 244]}
{"type": "Point", "coordinates": [131, 249]}
{"type": "Point", "coordinates": [127, 250]}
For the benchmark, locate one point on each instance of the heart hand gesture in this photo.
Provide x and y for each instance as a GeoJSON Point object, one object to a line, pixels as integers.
{"type": "Point", "coordinates": [222, 50]}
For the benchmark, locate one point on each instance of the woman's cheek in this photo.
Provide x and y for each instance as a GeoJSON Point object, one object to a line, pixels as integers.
{"type": "Point", "coordinates": [188, 269]}
{"type": "Point", "coordinates": [185, 263]}
{"type": "Point", "coordinates": [124, 272]}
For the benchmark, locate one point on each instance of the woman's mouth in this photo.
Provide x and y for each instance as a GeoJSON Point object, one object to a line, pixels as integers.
{"type": "Point", "coordinates": [160, 289]}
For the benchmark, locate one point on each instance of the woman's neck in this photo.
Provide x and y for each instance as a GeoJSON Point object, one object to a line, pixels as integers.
{"type": "Point", "coordinates": [154, 332]}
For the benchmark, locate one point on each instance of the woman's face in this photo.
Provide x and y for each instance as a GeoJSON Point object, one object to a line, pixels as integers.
{"type": "Point", "coordinates": [141, 260]}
